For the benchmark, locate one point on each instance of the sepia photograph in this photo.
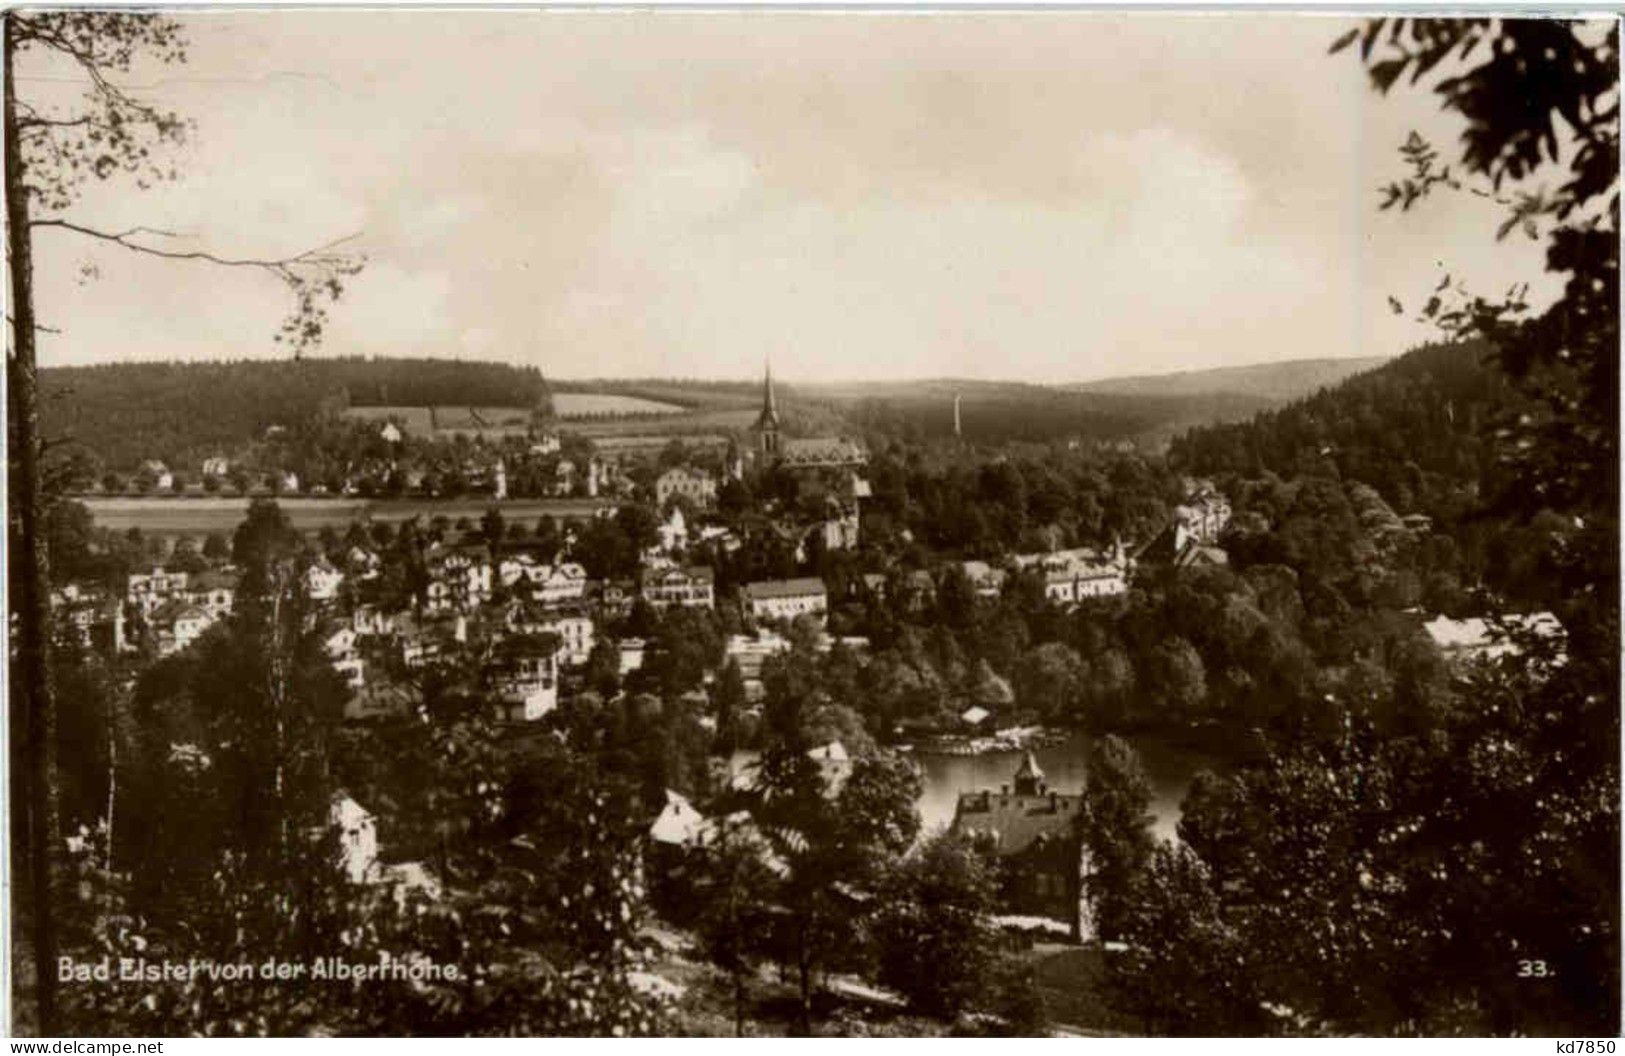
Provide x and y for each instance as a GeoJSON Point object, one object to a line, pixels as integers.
{"type": "Point", "coordinates": [811, 522]}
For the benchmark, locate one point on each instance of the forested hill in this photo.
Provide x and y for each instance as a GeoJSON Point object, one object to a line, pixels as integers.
{"type": "Point", "coordinates": [1277, 382]}
{"type": "Point", "coordinates": [1412, 428]}
{"type": "Point", "coordinates": [126, 412]}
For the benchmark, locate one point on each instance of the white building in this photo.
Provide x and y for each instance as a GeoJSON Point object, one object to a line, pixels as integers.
{"type": "Point", "coordinates": [147, 591]}
{"type": "Point", "coordinates": [785, 599]}
{"type": "Point", "coordinates": [177, 625]}
{"type": "Point", "coordinates": [685, 587]}
{"type": "Point", "coordinates": [695, 485]}
{"type": "Point", "coordinates": [322, 580]}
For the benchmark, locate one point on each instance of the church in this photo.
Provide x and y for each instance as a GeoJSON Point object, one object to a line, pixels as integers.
{"type": "Point", "coordinates": [818, 452]}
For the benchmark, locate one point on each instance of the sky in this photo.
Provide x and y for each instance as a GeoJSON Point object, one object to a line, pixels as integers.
{"type": "Point", "coordinates": [1050, 197]}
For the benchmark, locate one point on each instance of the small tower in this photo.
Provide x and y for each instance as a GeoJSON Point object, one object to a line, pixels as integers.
{"type": "Point", "coordinates": [957, 433]}
{"type": "Point", "coordinates": [1030, 777]}
{"type": "Point", "coordinates": [767, 423]}
{"type": "Point", "coordinates": [501, 481]}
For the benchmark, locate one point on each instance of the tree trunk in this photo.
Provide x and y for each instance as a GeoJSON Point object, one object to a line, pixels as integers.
{"type": "Point", "coordinates": [31, 578]}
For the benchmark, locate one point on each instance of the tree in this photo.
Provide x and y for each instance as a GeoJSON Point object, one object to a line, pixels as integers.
{"type": "Point", "coordinates": [1116, 831]}
{"type": "Point", "coordinates": [734, 883]}
{"type": "Point", "coordinates": [933, 937]}
{"type": "Point", "coordinates": [51, 152]}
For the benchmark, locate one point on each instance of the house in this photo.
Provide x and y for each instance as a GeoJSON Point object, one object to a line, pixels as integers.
{"type": "Point", "coordinates": [1071, 576]}
{"type": "Point", "coordinates": [631, 654]}
{"type": "Point", "coordinates": [463, 578]}
{"type": "Point", "coordinates": [215, 466]}
{"type": "Point", "coordinates": [684, 587]}
{"type": "Point", "coordinates": [154, 470]}
{"type": "Point", "coordinates": [985, 580]}
{"type": "Point", "coordinates": [340, 646]}
{"type": "Point", "coordinates": [380, 700]}
{"type": "Point", "coordinates": [147, 591]}
{"type": "Point", "coordinates": [834, 768]}
{"type": "Point", "coordinates": [695, 485]}
{"type": "Point", "coordinates": [559, 584]}
{"type": "Point", "coordinates": [390, 433]}
{"type": "Point", "coordinates": [362, 563]}
{"type": "Point", "coordinates": [322, 580]}
{"type": "Point", "coordinates": [1034, 833]}
{"type": "Point", "coordinates": [1205, 511]}
{"type": "Point", "coordinates": [564, 477]}
{"type": "Point", "coordinates": [357, 835]}
{"type": "Point", "coordinates": [287, 481]}
{"type": "Point", "coordinates": [673, 532]}
{"type": "Point", "coordinates": [785, 599]}
{"type": "Point", "coordinates": [545, 444]}
{"type": "Point", "coordinates": [679, 824]}
{"type": "Point", "coordinates": [576, 637]}
{"type": "Point", "coordinates": [371, 619]}
{"type": "Point", "coordinates": [214, 592]}
{"type": "Point", "coordinates": [177, 624]}
{"type": "Point", "coordinates": [526, 674]}
{"type": "Point", "coordinates": [517, 568]}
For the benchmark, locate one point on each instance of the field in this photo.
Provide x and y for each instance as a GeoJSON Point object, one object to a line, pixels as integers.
{"type": "Point", "coordinates": [447, 421]}
{"type": "Point", "coordinates": [201, 516]}
{"type": "Point", "coordinates": [708, 421]}
{"type": "Point", "coordinates": [603, 404]}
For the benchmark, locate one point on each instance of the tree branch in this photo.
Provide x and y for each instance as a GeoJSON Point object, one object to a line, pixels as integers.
{"type": "Point", "coordinates": [37, 326]}
{"type": "Point", "coordinates": [281, 265]}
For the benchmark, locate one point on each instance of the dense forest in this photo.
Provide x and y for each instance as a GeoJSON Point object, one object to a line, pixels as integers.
{"type": "Point", "coordinates": [121, 414]}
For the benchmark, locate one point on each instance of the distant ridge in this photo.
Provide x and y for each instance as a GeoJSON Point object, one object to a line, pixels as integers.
{"type": "Point", "coordinates": [1278, 382]}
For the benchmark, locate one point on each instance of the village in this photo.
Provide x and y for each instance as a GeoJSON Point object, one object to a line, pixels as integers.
{"type": "Point", "coordinates": [519, 614]}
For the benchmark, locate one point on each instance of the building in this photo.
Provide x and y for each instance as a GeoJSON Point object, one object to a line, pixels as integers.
{"type": "Point", "coordinates": [213, 592]}
{"type": "Point", "coordinates": [216, 466]}
{"type": "Point", "coordinates": [177, 624]}
{"type": "Point", "coordinates": [559, 584]}
{"type": "Point", "coordinates": [146, 592]}
{"type": "Point", "coordinates": [985, 580]}
{"type": "Point", "coordinates": [390, 433]}
{"type": "Point", "coordinates": [695, 485]}
{"type": "Point", "coordinates": [1035, 835]}
{"type": "Point", "coordinates": [155, 471]}
{"type": "Point", "coordinates": [1205, 511]}
{"type": "Point", "coordinates": [340, 646]}
{"type": "Point", "coordinates": [460, 578]}
{"type": "Point", "coordinates": [526, 673]}
{"type": "Point", "coordinates": [822, 452]}
{"type": "Point", "coordinates": [322, 580]}
{"type": "Point", "coordinates": [785, 599]}
{"type": "Point", "coordinates": [1072, 576]}
{"type": "Point", "coordinates": [672, 532]}
{"type": "Point", "coordinates": [693, 587]}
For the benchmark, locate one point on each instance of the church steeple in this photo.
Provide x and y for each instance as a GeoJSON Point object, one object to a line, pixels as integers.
{"type": "Point", "coordinates": [767, 423]}
{"type": "Point", "coordinates": [1030, 777]}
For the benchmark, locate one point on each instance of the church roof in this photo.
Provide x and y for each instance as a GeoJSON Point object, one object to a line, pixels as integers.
{"type": "Point", "coordinates": [1030, 768]}
{"type": "Point", "coordinates": [821, 451]}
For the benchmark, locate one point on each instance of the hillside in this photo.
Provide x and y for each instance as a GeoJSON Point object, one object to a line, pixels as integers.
{"type": "Point", "coordinates": [123, 413]}
{"type": "Point", "coordinates": [1275, 382]}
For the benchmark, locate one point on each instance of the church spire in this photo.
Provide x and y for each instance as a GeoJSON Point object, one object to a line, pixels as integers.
{"type": "Point", "coordinates": [770, 403]}
{"type": "Point", "coordinates": [767, 423]}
